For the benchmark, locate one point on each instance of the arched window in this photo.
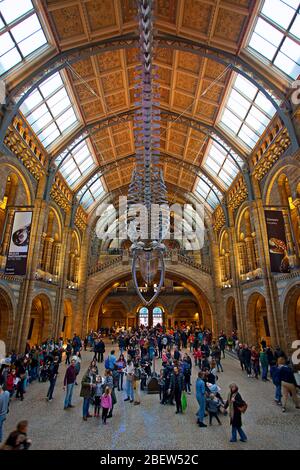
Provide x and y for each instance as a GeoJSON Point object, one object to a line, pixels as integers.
{"type": "Point", "coordinates": [143, 316]}
{"type": "Point", "coordinates": [157, 316]}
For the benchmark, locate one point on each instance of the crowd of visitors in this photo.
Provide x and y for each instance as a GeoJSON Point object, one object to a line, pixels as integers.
{"type": "Point", "coordinates": [137, 360]}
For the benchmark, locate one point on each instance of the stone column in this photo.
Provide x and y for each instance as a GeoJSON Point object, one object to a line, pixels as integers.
{"type": "Point", "coordinates": [235, 270]}
{"type": "Point", "coordinates": [258, 218]}
{"type": "Point", "coordinates": [40, 214]}
{"type": "Point", "coordinates": [289, 239]}
{"type": "Point", "coordinates": [8, 228]}
{"type": "Point", "coordinates": [227, 266]}
{"type": "Point", "coordinates": [48, 254]}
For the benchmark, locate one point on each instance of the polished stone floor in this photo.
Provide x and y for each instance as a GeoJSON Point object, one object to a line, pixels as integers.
{"type": "Point", "coordinates": [151, 425]}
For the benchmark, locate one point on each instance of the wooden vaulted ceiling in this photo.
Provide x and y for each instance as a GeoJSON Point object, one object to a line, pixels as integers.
{"type": "Point", "coordinates": [103, 84]}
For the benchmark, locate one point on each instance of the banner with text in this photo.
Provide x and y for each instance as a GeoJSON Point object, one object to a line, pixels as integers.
{"type": "Point", "coordinates": [277, 241]}
{"type": "Point", "coordinates": [19, 244]}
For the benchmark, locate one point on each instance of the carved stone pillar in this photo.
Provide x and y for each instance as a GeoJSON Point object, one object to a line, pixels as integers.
{"type": "Point", "coordinates": [76, 267]}
{"type": "Point", "coordinates": [250, 253]}
{"type": "Point", "coordinates": [48, 253]}
{"type": "Point", "coordinates": [289, 239]}
{"type": "Point", "coordinates": [227, 266]}
{"type": "Point", "coordinates": [6, 238]}
{"type": "Point", "coordinates": [55, 258]}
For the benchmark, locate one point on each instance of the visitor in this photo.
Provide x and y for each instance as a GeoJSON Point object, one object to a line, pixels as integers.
{"type": "Point", "coordinates": [254, 362]}
{"type": "Point", "coordinates": [18, 440]}
{"type": "Point", "coordinates": [121, 364]}
{"type": "Point", "coordinates": [129, 372]}
{"type": "Point", "coordinates": [53, 372]}
{"type": "Point", "coordinates": [200, 396]}
{"type": "Point", "coordinates": [68, 352]}
{"type": "Point", "coordinates": [106, 403]}
{"type": "Point", "coordinates": [69, 382]}
{"type": "Point", "coordinates": [288, 383]}
{"type": "Point", "coordinates": [263, 358]}
{"type": "Point", "coordinates": [235, 404]}
{"type": "Point", "coordinates": [137, 383]}
{"type": "Point", "coordinates": [177, 387]}
{"type": "Point", "coordinates": [4, 406]}
{"type": "Point", "coordinates": [109, 382]}
{"type": "Point", "coordinates": [97, 396]}
{"type": "Point", "coordinates": [87, 382]}
{"type": "Point", "coordinates": [213, 406]}
{"type": "Point", "coordinates": [274, 372]}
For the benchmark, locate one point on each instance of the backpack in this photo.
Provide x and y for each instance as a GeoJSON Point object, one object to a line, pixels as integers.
{"type": "Point", "coordinates": [106, 363]}
{"type": "Point", "coordinates": [243, 407]}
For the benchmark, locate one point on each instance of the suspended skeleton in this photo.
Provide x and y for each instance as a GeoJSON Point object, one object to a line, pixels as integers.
{"type": "Point", "coordinates": [147, 187]}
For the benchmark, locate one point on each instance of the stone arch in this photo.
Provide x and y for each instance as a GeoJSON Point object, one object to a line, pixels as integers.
{"type": "Point", "coordinates": [40, 325]}
{"type": "Point", "coordinates": [291, 314]}
{"type": "Point", "coordinates": [6, 318]}
{"type": "Point", "coordinates": [8, 165]}
{"type": "Point", "coordinates": [231, 319]}
{"type": "Point", "coordinates": [111, 278]}
{"type": "Point", "coordinates": [257, 320]}
{"type": "Point", "coordinates": [288, 165]}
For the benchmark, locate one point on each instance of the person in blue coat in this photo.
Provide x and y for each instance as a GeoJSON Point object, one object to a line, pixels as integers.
{"type": "Point", "coordinates": [200, 395]}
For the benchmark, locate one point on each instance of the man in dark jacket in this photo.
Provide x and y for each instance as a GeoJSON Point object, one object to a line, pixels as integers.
{"type": "Point", "coordinates": [177, 387]}
{"type": "Point", "coordinates": [246, 357]}
{"type": "Point", "coordinates": [69, 382]}
{"type": "Point", "coordinates": [53, 372]}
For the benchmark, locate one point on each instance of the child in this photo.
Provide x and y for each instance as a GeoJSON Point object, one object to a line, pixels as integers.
{"type": "Point", "coordinates": [197, 356]}
{"type": "Point", "coordinates": [106, 403]}
{"type": "Point", "coordinates": [97, 396]}
{"type": "Point", "coordinates": [213, 406]}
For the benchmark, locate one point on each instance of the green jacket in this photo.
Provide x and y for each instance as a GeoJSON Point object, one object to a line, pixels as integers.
{"type": "Point", "coordinates": [263, 359]}
{"type": "Point", "coordinates": [86, 389]}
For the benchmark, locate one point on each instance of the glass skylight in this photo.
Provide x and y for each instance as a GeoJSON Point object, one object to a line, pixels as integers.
{"type": "Point", "coordinates": [219, 164]}
{"type": "Point", "coordinates": [206, 190]}
{"type": "Point", "coordinates": [77, 165]}
{"type": "Point", "coordinates": [247, 112]}
{"type": "Point", "coordinates": [276, 35]}
{"type": "Point", "coordinates": [20, 33]}
{"type": "Point", "coordinates": [49, 110]}
{"type": "Point", "coordinates": [94, 193]}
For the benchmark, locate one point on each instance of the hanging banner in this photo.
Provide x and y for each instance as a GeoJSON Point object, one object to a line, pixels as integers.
{"type": "Point", "coordinates": [277, 242]}
{"type": "Point", "coordinates": [19, 244]}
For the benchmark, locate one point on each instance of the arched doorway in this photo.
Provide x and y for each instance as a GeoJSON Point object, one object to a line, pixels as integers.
{"type": "Point", "coordinates": [258, 326]}
{"type": "Point", "coordinates": [231, 321]}
{"type": "Point", "coordinates": [6, 318]}
{"type": "Point", "coordinates": [66, 328]}
{"type": "Point", "coordinates": [292, 313]}
{"type": "Point", "coordinates": [40, 320]}
{"type": "Point", "coordinates": [188, 312]}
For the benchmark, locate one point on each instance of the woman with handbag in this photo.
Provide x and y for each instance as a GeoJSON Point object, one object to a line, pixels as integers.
{"type": "Point", "coordinates": [237, 406]}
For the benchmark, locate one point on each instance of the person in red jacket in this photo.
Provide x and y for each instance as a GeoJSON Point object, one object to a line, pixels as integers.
{"type": "Point", "coordinates": [10, 382]}
{"type": "Point", "coordinates": [197, 356]}
{"type": "Point", "coordinates": [254, 362]}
